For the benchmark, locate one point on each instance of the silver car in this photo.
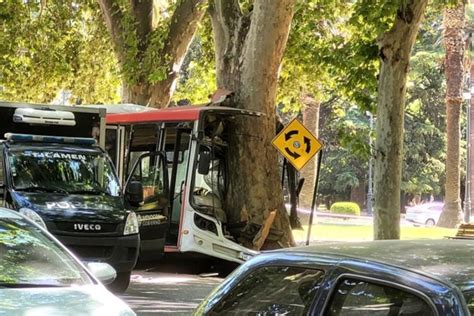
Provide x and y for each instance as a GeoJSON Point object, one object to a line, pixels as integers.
{"type": "Point", "coordinates": [39, 276]}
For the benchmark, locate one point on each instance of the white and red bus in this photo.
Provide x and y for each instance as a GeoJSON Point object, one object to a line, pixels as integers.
{"type": "Point", "coordinates": [181, 211]}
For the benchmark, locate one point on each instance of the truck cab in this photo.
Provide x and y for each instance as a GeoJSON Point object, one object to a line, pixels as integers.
{"type": "Point", "coordinates": [56, 173]}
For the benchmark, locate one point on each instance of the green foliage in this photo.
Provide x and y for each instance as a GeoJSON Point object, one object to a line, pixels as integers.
{"type": "Point", "coordinates": [197, 80]}
{"type": "Point", "coordinates": [46, 47]}
{"type": "Point", "coordinates": [425, 127]}
{"type": "Point", "coordinates": [345, 208]}
{"type": "Point", "coordinates": [143, 58]}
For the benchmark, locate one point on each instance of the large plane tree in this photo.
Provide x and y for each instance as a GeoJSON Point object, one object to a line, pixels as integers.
{"type": "Point", "coordinates": [151, 39]}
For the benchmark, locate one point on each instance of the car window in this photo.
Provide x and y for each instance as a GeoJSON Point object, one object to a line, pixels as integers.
{"type": "Point", "coordinates": [275, 290]}
{"type": "Point", "coordinates": [355, 297]}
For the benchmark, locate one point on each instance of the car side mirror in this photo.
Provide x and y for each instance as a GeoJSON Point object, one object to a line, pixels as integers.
{"type": "Point", "coordinates": [204, 161]}
{"type": "Point", "coordinates": [102, 271]}
{"type": "Point", "coordinates": [134, 193]}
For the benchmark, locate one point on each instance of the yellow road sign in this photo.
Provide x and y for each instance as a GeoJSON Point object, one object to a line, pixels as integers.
{"type": "Point", "coordinates": [296, 143]}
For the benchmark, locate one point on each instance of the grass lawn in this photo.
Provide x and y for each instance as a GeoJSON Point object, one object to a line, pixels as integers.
{"type": "Point", "coordinates": [365, 232]}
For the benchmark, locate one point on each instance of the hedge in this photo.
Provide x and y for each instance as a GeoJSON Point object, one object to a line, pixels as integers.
{"type": "Point", "coordinates": [349, 208]}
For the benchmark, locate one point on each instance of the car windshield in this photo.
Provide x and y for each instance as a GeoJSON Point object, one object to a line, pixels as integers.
{"type": "Point", "coordinates": [57, 171]}
{"type": "Point", "coordinates": [29, 258]}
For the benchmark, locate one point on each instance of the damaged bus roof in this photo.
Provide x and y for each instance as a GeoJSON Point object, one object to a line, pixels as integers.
{"type": "Point", "coordinates": [180, 113]}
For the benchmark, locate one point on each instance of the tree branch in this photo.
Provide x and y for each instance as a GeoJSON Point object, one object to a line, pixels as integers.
{"type": "Point", "coordinates": [183, 25]}
{"type": "Point", "coordinates": [113, 17]}
{"type": "Point", "coordinates": [142, 11]}
{"type": "Point", "coordinates": [230, 28]}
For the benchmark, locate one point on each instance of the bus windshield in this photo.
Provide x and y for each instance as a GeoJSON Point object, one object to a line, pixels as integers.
{"type": "Point", "coordinates": [63, 172]}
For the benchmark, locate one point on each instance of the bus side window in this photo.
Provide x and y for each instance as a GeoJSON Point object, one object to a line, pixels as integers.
{"type": "Point", "coordinates": [111, 144]}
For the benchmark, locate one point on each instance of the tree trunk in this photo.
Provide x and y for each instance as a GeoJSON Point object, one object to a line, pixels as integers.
{"type": "Point", "coordinates": [249, 49]}
{"type": "Point", "coordinates": [150, 61]}
{"type": "Point", "coordinates": [311, 121]}
{"type": "Point", "coordinates": [454, 71]}
{"type": "Point", "coordinates": [395, 48]}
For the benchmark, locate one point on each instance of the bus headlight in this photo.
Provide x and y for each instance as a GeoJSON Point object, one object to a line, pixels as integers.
{"type": "Point", "coordinates": [131, 224]}
{"type": "Point", "coordinates": [33, 216]}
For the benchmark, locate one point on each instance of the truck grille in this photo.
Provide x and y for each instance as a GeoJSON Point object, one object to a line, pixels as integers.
{"type": "Point", "coordinates": [92, 252]}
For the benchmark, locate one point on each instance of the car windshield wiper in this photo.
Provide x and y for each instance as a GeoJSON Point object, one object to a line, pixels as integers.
{"type": "Point", "coordinates": [41, 189]}
{"type": "Point", "coordinates": [28, 285]}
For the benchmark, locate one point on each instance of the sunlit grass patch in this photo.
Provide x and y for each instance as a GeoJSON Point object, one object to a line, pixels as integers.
{"type": "Point", "coordinates": [365, 232]}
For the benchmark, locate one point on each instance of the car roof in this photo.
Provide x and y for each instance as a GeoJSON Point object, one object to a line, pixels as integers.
{"type": "Point", "coordinates": [449, 259]}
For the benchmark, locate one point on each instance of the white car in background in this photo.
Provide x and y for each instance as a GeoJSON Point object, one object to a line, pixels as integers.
{"type": "Point", "coordinates": [424, 214]}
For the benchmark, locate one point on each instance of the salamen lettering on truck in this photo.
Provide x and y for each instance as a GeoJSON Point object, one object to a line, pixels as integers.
{"type": "Point", "coordinates": [49, 154]}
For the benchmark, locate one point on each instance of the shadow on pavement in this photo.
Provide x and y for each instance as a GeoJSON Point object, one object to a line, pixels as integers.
{"type": "Point", "coordinates": [175, 284]}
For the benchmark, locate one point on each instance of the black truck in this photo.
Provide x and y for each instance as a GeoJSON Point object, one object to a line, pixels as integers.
{"type": "Point", "coordinates": [54, 170]}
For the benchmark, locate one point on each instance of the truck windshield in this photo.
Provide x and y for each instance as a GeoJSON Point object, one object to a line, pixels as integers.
{"type": "Point", "coordinates": [62, 172]}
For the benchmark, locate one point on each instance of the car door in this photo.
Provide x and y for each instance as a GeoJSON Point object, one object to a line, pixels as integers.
{"type": "Point", "coordinates": [364, 288]}
{"type": "Point", "coordinates": [270, 284]}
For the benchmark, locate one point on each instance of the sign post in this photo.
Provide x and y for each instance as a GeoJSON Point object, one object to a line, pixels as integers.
{"type": "Point", "coordinates": [298, 145]}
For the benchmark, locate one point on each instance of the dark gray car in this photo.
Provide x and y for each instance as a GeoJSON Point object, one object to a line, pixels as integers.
{"type": "Point", "coordinates": [370, 278]}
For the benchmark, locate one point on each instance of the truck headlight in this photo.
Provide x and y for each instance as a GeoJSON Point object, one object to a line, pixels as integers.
{"type": "Point", "coordinates": [131, 224]}
{"type": "Point", "coordinates": [33, 216]}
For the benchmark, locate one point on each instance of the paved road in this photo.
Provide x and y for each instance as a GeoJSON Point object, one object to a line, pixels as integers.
{"type": "Point", "coordinates": [175, 286]}
{"type": "Point", "coordinates": [158, 293]}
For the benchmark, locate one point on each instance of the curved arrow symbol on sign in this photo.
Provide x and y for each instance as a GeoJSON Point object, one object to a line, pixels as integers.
{"type": "Point", "coordinates": [290, 134]}
{"type": "Point", "coordinates": [307, 141]}
{"type": "Point", "coordinates": [292, 154]}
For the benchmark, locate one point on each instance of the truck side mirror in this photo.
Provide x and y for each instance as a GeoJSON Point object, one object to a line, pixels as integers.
{"type": "Point", "coordinates": [135, 193]}
{"type": "Point", "coordinates": [204, 161]}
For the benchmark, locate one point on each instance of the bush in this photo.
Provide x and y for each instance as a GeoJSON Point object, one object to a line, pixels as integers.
{"type": "Point", "coordinates": [349, 208]}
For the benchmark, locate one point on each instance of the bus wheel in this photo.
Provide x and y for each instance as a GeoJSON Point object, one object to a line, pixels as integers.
{"type": "Point", "coordinates": [121, 282]}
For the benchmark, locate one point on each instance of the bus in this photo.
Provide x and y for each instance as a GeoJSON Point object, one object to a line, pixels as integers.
{"type": "Point", "coordinates": [191, 216]}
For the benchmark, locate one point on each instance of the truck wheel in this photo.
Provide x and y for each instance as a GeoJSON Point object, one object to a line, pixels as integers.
{"type": "Point", "coordinates": [121, 282]}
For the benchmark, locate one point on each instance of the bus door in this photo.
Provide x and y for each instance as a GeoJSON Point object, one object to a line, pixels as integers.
{"type": "Point", "coordinates": [176, 144]}
{"type": "Point", "coordinates": [147, 186]}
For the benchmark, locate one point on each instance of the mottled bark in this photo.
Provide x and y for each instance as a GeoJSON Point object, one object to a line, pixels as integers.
{"type": "Point", "coordinates": [454, 71]}
{"type": "Point", "coordinates": [170, 55]}
{"type": "Point", "coordinates": [248, 54]}
{"type": "Point", "coordinates": [311, 121]}
{"type": "Point", "coordinates": [395, 48]}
